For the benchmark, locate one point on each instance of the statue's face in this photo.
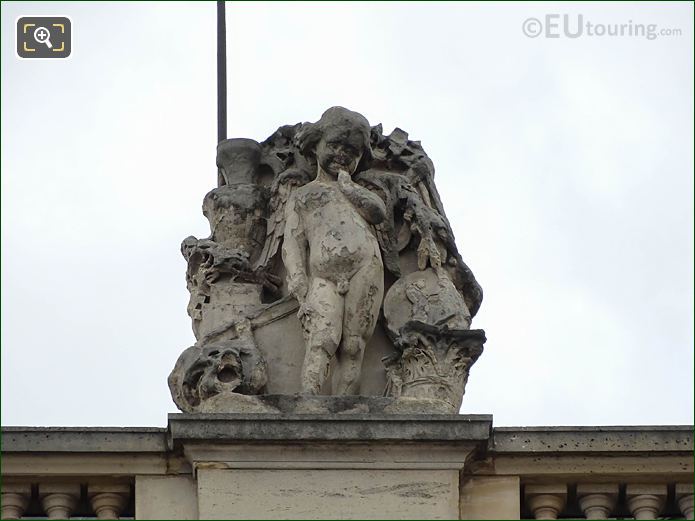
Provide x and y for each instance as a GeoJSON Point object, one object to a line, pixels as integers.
{"type": "Point", "coordinates": [218, 368]}
{"type": "Point", "coordinates": [339, 151]}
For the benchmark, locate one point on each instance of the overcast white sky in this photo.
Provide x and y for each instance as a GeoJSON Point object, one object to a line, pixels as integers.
{"type": "Point", "coordinates": [565, 166]}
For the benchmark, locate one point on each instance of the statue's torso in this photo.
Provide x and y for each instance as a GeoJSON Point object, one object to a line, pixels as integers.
{"type": "Point", "coordinates": [340, 240]}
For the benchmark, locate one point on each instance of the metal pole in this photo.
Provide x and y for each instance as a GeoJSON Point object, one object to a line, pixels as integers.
{"type": "Point", "coordinates": [221, 74]}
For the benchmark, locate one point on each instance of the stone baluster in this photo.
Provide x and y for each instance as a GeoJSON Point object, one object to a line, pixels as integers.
{"type": "Point", "coordinates": [597, 500]}
{"type": "Point", "coordinates": [15, 499]}
{"type": "Point", "coordinates": [546, 501]}
{"type": "Point", "coordinates": [645, 501]}
{"type": "Point", "coordinates": [684, 498]}
{"type": "Point", "coordinates": [108, 501]}
{"type": "Point", "coordinates": [59, 499]}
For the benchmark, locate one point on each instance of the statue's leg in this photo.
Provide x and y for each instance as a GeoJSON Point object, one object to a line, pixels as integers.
{"type": "Point", "coordinates": [322, 323]}
{"type": "Point", "coordinates": [362, 304]}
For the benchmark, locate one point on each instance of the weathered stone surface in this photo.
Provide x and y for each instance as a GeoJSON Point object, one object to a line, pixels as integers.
{"type": "Point", "coordinates": [638, 438]}
{"type": "Point", "coordinates": [166, 497]}
{"type": "Point", "coordinates": [332, 427]}
{"type": "Point", "coordinates": [434, 364]}
{"type": "Point", "coordinates": [277, 325]}
{"type": "Point", "coordinates": [229, 365]}
{"type": "Point", "coordinates": [310, 404]}
{"type": "Point", "coordinates": [428, 321]}
{"type": "Point", "coordinates": [490, 497]}
{"type": "Point", "coordinates": [503, 440]}
{"type": "Point", "coordinates": [428, 297]}
{"type": "Point", "coordinates": [333, 261]}
{"type": "Point", "coordinates": [301, 466]}
{"type": "Point", "coordinates": [328, 217]}
{"type": "Point", "coordinates": [83, 439]}
{"type": "Point", "coordinates": [328, 494]}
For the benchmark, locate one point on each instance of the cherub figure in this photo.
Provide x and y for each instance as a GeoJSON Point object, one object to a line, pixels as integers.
{"type": "Point", "coordinates": [333, 260]}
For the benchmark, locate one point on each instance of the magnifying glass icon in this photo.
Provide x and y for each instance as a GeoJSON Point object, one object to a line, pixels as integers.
{"type": "Point", "coordinates": [43, 35]}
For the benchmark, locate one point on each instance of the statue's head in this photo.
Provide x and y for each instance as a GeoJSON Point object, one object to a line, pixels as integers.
{"type": "Point", "coordinates": [220, 367]}
{"type": "Point", "coordinates": [339, 140]}
{"type": "Point", "coordinates": [216, 369]}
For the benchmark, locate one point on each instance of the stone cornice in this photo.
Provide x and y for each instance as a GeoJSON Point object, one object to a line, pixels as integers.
{"type": "Point", "coordinates": [608, 439]}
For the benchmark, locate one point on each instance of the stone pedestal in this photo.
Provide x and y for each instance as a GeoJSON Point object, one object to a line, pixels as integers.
{"type": "Point", "coordinates": [263, 466]}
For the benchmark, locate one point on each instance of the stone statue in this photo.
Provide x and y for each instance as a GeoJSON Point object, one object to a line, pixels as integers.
{"type": "Point", "coordinates": [333, 260]}
{"type": "Point", "coordinates": [331, 271]}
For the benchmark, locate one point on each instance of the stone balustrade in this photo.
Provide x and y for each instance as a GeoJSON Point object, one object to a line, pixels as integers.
{"type": "Point", "coordinates": [684, 499]}
{"type": "Point", "coordinates": [108, 500]}
{"type": "Point", "coordinates": [597, 472]}
{"type": "Point", "coordinates": [601, 500]}
{"type": "Point", "coordinates": [14, 499]}
{"type": "Point", "coordinates": [57, 499]}
{"type": "Point", "coordinates": [546, 501]}
{"type": "Point", "coordinates": [211, 466]}
{"type": "Point", "coordinates": [597, 500]}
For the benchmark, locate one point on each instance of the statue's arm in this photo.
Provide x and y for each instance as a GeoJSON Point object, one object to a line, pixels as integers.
{"type": "Point", "coordinates": [294, 249]}
{"type": "Point", "coordinates": [368, 204]}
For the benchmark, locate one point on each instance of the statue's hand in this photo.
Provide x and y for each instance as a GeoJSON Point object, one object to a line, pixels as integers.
{"type": "Point", "coordinates": [344, 180]}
